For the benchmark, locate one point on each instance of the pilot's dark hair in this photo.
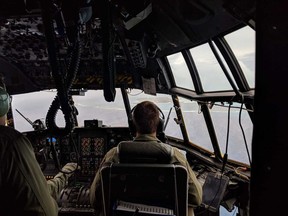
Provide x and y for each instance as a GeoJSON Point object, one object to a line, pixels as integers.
{"type": "Point", "coordinates": [146, 117]}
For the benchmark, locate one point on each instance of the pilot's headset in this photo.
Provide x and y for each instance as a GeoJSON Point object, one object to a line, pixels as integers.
{"type": "Point", "coordinates": [160, 127]}
{"type": "Point", "coordinates": [4, 101]}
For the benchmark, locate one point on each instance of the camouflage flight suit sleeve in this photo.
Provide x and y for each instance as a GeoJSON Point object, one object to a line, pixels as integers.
{"type": "Point", "coordinates": [195, 188]}
{"type": "Point", "coordinates": [58, 183]}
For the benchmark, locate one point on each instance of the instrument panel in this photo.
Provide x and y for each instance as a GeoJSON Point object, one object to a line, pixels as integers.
{"type": "Point", "coordinates": [86, 146]}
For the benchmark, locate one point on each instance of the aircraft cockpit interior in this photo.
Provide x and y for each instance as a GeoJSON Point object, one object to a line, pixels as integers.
{"type": "Point", "coordinates": [74, 70]}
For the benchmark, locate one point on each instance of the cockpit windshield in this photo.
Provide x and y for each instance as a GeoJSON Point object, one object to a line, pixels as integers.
{"type": "Point", "coordinates": [198, 72]}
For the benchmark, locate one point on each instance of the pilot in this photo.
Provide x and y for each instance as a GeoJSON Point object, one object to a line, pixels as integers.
{"type": "Point", "coordinates": [146, 118]}
{"type": "Point", "coordinates": [23, 187]}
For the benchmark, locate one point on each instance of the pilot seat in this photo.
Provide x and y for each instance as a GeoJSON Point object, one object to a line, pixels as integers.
{"type": "Point", "coordinates": [144, 183]}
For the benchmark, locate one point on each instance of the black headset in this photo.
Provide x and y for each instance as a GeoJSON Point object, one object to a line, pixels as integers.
{"type": "Point", "coordinates": [4, 102]}
{"type": "Point", "coordinates": [160, 127]}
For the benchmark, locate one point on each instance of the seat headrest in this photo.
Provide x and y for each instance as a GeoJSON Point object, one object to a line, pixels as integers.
{"type": "Point", "coordinates": [144, 152]}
